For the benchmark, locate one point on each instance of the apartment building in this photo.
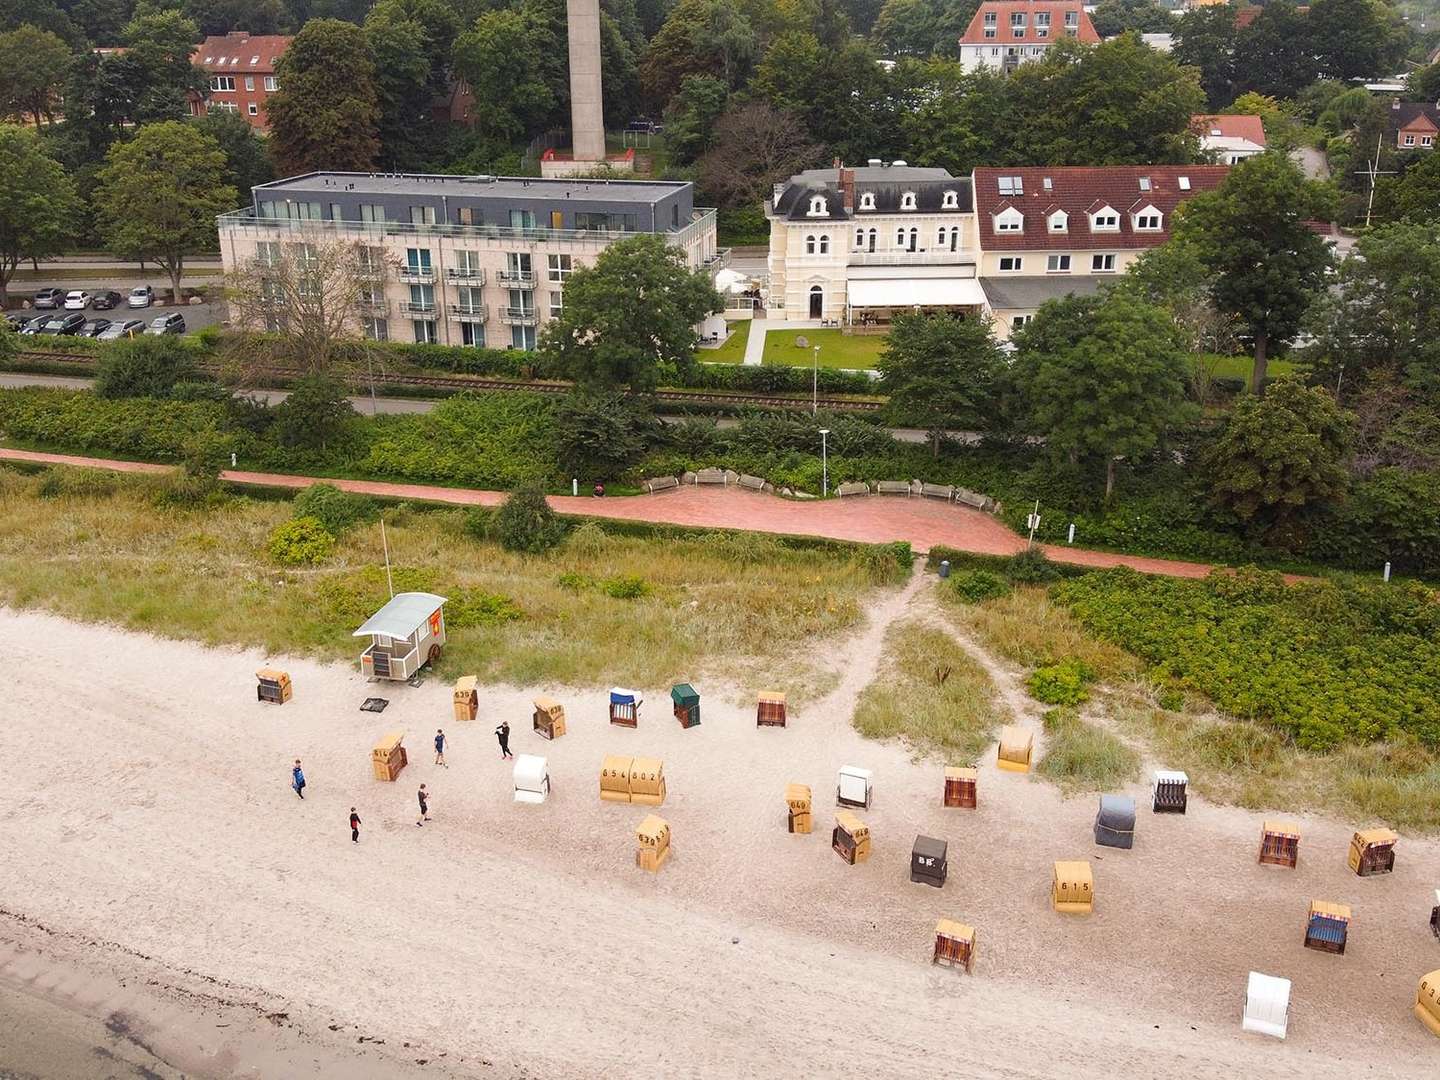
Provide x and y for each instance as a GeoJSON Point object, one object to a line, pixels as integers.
{"type": "Point", "coordinates": [1044, 233]}
{"type": "Point", "coordinates": [463, 260]}
{"type": "Point", "coordinates": [240, 70]}
{"type": "Point", "coordinates": [1007, 33]}
{"type": "Point", "coordinates": [853, 245]}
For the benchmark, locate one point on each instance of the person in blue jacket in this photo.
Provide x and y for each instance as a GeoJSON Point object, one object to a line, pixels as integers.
{"type": "Point", "coordinates": [297, 779]}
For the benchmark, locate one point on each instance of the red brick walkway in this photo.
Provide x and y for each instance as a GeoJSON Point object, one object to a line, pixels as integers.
{"type": "Point", "coordinates": [925, 523]}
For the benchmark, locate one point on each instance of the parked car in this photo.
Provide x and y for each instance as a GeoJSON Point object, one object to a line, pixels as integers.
{"type": "Point", "coordinates": [107, 300]}
{"type": "Point", "coordinates": [142, 296]}
{"type": "Point", "coordinates": [49, 298]}
{"type": "Point", "coordinates": [17, 322]}
{"type": "Point", "coordinates": [94, 327]}
{"type": "Point", "coordinates": [173, 323]}
{"type": "Point", "coordinates": [121, 328]}
{"type": "Point", "coordinates": [32, 324]}
{"type": "Point", "coordinates": [64, 325]}
{"type": "Point", "coordinates": [77, 300]}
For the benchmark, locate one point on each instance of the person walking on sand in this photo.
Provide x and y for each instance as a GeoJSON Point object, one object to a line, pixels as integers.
{"type": "Point", "coordinates": [502, 733]}
{"type": "Point", "coordinates": [354, 826]}
{"type": "Point", "coordinates": [297, 779]}
{"type": "Point", "coordinates": [440, 747]}
{"type": "Point", "coordinates": [424, 806]}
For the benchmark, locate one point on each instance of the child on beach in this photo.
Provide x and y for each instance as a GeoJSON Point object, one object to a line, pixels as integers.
{"type": "Point", "coordinates": [297, 779]}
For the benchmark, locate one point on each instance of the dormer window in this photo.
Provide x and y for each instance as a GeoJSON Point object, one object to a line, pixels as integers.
{"type": "Point", "coordinates": [867, 201]}
{"type": "Point", "coordinates": [1009, 220]}
{"type": "Point", "coordinates": [907, 201]}
{"type": "Point", "coordinates": [950, 201]}
{"type": "Point", "coordinates": [1147, 220]}
{"type": "Point", "coordinates": [817, 206]}
{"type": "Point", "coordinates": [1059, 222]}
{"type": "Point", "coordinates": [1105, 220]}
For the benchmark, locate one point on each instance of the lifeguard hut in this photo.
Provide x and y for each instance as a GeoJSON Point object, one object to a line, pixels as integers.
{"type": "Point", "coordinates": [1372, 851]}
{"type": "Point", "coordinates": [405, 635]}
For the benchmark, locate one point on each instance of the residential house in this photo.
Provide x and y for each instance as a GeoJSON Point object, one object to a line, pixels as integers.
{"type": "Point", "coordinates": [1415, 124]}
{"type": "Point", "coordinates": [1231, 137]}
{"type": "Point", "coordinates": [460, 260]}
{"type": "Point", "coordinates": [853, 245]}
{"type": "Point", "coordinates": [240, 69]}
{"type": "Point", "coordinates": [1006, 33]}
{"type": "Point", "coordinates": [1044, 233]}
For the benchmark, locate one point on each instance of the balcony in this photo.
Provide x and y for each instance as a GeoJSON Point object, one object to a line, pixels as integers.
{"type": "Point", "coordinates": [717, 262]}
{"type": "Point", "coordinates": [370, 271]}
{"type": "Point", "coordinates": [471, 313]}
{"type": "Point", "coordinates": [463, 276]}
{"type": "Point", "coordinates": [524, 279]}
{"type": "Point", "coordinates": [414, 307]}
{"type": "Point", "coordinates": [913, 258]}
{"type": "Point", "coordinates": [519, 316]}
{"type": "Point", "coordinates": [417, 275]}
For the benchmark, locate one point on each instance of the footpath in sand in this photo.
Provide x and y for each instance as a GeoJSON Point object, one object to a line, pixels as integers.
{"type": "Point", "coordinates": [923, 523]}
{"type": "Point", "coordinates": [149, 824]}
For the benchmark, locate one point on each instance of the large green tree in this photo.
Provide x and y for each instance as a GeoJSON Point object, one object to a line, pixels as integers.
{"type": "Point", "coordinates": [700, 37]}
{"type": "Point", "coordinates": [34, 64]}
{"type": "Point", "coordinates": [922, 28]}
{"type": "Point", "coordinates": [1275, 54]}
{"type": "Point", "coordinates": [691, 116]}
{"type": "Point", "coordinates": [158, 195]}
{"type": "Point", "coordinates": [502, 59]}
{"type": "Point", "coordinates": [1254, 234]}
{"type": "Point", "coordinates": [1113, 17]}
{"type": "Point", "coordinates": [410, 43]}
{"type": "Point", "coordinates": [631, 312]}
{"type": "Point", "coordinates": [1205, 39]}
{"type": "Point", "coordinates": [1413, 195]}
{"type": "Point", "coordinates": [1356, 39]}
{"type": "Point", "coordinates": [753, 148]}
{"type": "Point", "coordinates": [1278, 456]}
{"type": "Point", "coordinates": [311, 125]}
{"type": "Point", "coordinates": [246, 162]}
{"type": "Point", "coordinates": [954, 119]}
{"type": "Point", "coordinates": [1101, 378]}
{"type": "Point", "coordinates": [157, 67]}
{"type": "Point", "coordinates": [38, 208]}
{"type": "Point", "coordinates": [942, 372]}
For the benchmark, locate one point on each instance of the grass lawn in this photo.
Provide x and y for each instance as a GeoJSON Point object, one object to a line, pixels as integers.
{"type": "Point", "coordinates": [733, 351]}
{"type": "Point", "coordinates": [837, 349]}
{"type": "Point", "coordinates": [1239, 367]}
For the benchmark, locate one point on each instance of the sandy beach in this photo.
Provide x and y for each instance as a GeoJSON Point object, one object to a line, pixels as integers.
{"type": "Point", "coordinates": [150, 833]}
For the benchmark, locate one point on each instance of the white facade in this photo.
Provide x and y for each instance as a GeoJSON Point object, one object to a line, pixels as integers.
{"type": "Point", "coordinates": [998, 56]}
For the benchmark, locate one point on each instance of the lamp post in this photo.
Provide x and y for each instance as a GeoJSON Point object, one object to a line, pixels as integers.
{"type": "Point", "coordinates": [815, 383]}
{"type": "Point", "coordinates": [824, 462]}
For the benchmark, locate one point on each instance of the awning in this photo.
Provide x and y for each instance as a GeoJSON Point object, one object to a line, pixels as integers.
{"type": "Point", "coordinates": [401, 617]}
{"type": "Point", "coordinates": [913, 292]}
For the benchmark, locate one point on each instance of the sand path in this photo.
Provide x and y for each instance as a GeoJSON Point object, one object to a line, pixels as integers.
{"type": "Point", "coordinates": [146, 804]}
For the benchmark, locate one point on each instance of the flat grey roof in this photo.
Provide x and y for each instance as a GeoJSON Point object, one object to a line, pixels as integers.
{"type": "Point", "coordinates": [1023, 293]}
{"type": "Point", "coordinates": [874, 174]}
{"type": "Point", "coordinates": [495, 187]}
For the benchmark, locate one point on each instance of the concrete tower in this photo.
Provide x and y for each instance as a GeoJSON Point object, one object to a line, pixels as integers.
{"type": "Point", "coordinates": [587, 121]}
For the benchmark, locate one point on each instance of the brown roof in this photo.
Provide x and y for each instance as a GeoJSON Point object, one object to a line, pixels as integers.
{"type": "Point", "coordinates": [1002, 10]}
{"type": "Point", "coordinates": [1079, 191]}
{"type": "Point", "coordinates": [1414, 116]}
{"type": "Point", "coordinates": [238, 51]}
{"type": "Point", "coordinates": [1230, 126]}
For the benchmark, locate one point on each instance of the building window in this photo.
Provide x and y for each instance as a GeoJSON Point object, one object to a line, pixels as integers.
{"type": "Point", "coordinates": [867, 201]}
{"type": "Point", "coordinates": [1011, 264]}
{"type": "Point", "coordinates": [224, 106]}
{"type": "Point", "coordinates": [253, 109]}
{"type": "Point", "coordinates": [422, 215]}
{"type": "Point", "coordinates": [1017, 18]}
{"type": "Point", "coordinates": [558, 268]}
{"type": "Point", "coordinates": [990, 33]}
{"type": "Point", "coordinates": [824, 245]}
{"type": "Point", "coordinates": [950, 201]}
{"type": "Point", "coordinates": [1409, 140]}
{"type": "Point", "coordinates": [424, 331]}
{"type": "Point", "coordinates": [1059, 222]}
{"type": "Point", "coordinates": [1010, 185]}
{"type": "Point", "coordinates": [940, 236]}
{"type": "Point", "coordinates": [222, 83]}
{"type": "Point", "coordinates": [914, 238]}
{"type": "Point", "coordinates": [557, 303]}
{"type": "Point", "coordinates": [522, 337]}
{"type": "Point", "coordinates": [899, 238]}
{"type": "Point", "coordinates": [1184, 183]}
{"type": "Point", "coordinates": [271, 83]}
{"type": "Point", "coordinates": [473, 335]}
{"type": "Point", "coordinates": [990, 18]}
{"type": "Point", "coordinates": [1017, 321]}
{"type": "Point", "coordinates": [249, 82]}
{"type": "Point", "coordinates": [1148, 221]}
{"type": "Point", "coordinates": [907, 201]}
{"type": "Point", "coordinates": [810, 245]}
{"type": "Point", "coordinates": [372, 212]}
{"type": "Point", "coordinates": [1057, 264]}
{"type": "Point", "coordinates": [1102, 264]}
{"type": "Point", "coordinates": [417, 260]}
{"type": "Point", "coordinates": [471, 300]}
{"type": "Point", "coordinates": [1106, 220]}
{"type": "Point", "coordinates": [1072, 19]}
{"type": "Point", "coordinates": [872, 239]}
{"type": "Point", "coordinates": [376, 329]}
{"type": "Point", "coordinates": [817, 206]}
{"type": "Point", "coordinates": [1427, 140]}
{"type": "Point", "coordinates": [859, 239]}
{"type": "Point", "coordinates": [267, 253]}
{"type": "Point", "coordinates": [1009, 220]}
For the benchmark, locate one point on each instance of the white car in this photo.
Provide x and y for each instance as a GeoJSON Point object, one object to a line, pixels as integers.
{"type": "Point", "coordinates": [142, 296]}
{"type": "Point", "coordinates": [77, 300]}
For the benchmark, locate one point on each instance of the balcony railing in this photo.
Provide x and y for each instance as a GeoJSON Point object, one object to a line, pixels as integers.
{"type": "Point", "coordinates": [520, 278]}
{"type": "Point", "coordinates": [370, 271]}
{"type": "Point", "coordinates": [377, 306]}
{"type": "Point", "coordinates": [717, 262]}
{"type": "Point", "coordinates": [415, 307]}
{"type": "Point", "coordinates": [464, 275]}
{"type": "Point", "coordinates": [469, 313]}
{"type": "Point", "coordinates": [417, 275]}
{"type": "Point", "coordinates": [914, 258]}
{"type": "Point", "coordinates": [515, 316]}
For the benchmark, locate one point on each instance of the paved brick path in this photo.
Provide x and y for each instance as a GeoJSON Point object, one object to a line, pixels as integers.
{"type": "Point", "coordinates": [875, 519]}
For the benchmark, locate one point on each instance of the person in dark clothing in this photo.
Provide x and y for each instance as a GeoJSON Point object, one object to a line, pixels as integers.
{"type": "Point", "coordinates": [424, 806]}
{"type": "Point", "coordinates": [502, 733]}
{"type": "Point", "coordinates": [297, 779]}
{"type": "Point", "coordinates": [440, 747]}
{"type": "Point", "coordinates": [354, 826]}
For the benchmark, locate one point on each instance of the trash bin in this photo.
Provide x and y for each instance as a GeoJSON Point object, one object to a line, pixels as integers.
{"type": "Point", "coordinates": [944, 568]}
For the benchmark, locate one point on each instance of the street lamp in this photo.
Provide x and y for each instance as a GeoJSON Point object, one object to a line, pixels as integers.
{"type": "Point", "coordinates": [815, 383]}
{"type": "Point", "coordinates": [824, 462]}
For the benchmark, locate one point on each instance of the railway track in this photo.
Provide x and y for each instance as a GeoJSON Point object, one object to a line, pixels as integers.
{"type": "Point", "coordinates": [481, 383]}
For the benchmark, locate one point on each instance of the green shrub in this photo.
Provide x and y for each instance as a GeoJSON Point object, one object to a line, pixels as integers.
{"type": "Point", "coordinates": [575, 581]}
{"type": "Point", "coordinates": [1081, 757]}
{"type": "Point", "coordinates": [1061, 684]}
{"type": "Point", "coordinates": [977, 586]}
{"type": "Point", "coordinates": [75, 420]}
{"type": "Point", "coordinates": [526, 523]}
{"type": "Point", "coordinates": [335, 509]}
{"type": "Point", "coordinates": [57, 483]}
{"type": "Point", "coordinates": [625, 587]}
{"type": "Point", "coordinates": [470, 607]}
{"type": "Point", "coordinates": [150, 366]}
{"type": "Point", "coordinates": [300, 541]}
{"type": "Point", "coordinates": [1031, 567]}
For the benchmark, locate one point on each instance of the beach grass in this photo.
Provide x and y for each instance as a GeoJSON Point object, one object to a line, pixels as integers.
{"type": "Point", "coordinates": [1082, 757]}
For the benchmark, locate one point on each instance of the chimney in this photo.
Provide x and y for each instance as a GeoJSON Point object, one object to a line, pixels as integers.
{"type": "Point", "coordinates": [847, 189]}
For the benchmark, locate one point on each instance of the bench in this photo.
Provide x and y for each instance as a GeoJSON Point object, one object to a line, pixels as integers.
{"type": "Point", "coordinates": [659, 483]}
{"type": "Point", "coordinates": [710, 476]}
{"type": "Point", "coordinates": [852, 489]}
{"type": "Point", "coordinates": [751, 483]}
{"type": "Point", "coordinates": [938, 491]}
{"type": "Point", "coordinates": [892, 487]}
{"type": "Point", "coordinates": [971, 498]}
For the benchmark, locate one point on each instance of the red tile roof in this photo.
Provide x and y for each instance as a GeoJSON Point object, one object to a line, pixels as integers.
{"type": "Point", "coordinates": [1230, 126]}
{"type": "Point", "coordinates": [238, 51]}
{"type": "Point", "coordinates": [1003, 9]}
{"type": "Point", "coordinates": [1080, 190]}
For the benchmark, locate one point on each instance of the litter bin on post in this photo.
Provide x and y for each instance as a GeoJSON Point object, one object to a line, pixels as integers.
{"type": "Point", "coordinates": [944, 569]}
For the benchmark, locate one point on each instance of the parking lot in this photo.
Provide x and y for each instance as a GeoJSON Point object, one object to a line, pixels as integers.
{"type": "Point", "coordinates": [197, 316]}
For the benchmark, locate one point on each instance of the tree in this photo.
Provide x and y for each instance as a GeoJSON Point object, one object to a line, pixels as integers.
{"type": "Point", "coordinates": [755, 147]}
{"type": "Point", "coordinates": [222, 16]}
{"type": "Point", "coordinates": [922, 28]}
{"type": "Point", "coordinates": [525, 523]}
{"type": "Point", "coordinates": [34, 64]}
{"type": "Point", "coordinates": [311, 125]}
{"type": "Point", "coordinates": [149, 367]}
{"type": "Point", "coordinates": [314, 415]}
{"type": "Point", "coordinates": [1356, 39]}
{"type": "Point", "coordinates": [954, 119]}
{"type": "Point", "coordinates": [1414, 195]}
{"type": "Point", "coordinates": [691, 116]}
{"type": "Point", "coordinates": [1253, 234]}
{"type": "Point", "coordinates": [246, 162]}
{"type": "Point", "coordinates": [156, 66]}
{"type": "Point", "coordinates": [1274, 54]}
{"type": "Point", "coordinates": [1278, 456]}
{"type": "Point", "coordinates": [38, 206]}
{"type": "Point", "coordinates": [501, 58]}
{"type": "Point", "coordinates": [1173, 276]}
{"type": "Point", "coordinates": [1206, 38]}
{"type": "Point", "coordinates": [600, 434]}
{"type": "Point", "coordinates": [700, 37]}
{"type": "Point", "coordinates": [1101, 377]}
{"type": "Point", "coordinates": [310, 292]}
{"type": "Point", "coordinates": [158, 195]}
{"type": "Point", "coordinates": [634, 310]}
{"type": "Point", "coordinates": [1424, 84]}
{"type": "Point", "coordinates": [410, 43]}
{"type": "Point", "coordinates": [1113, 17]}
{"type": "Point", "coordinates": [941, 373]}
